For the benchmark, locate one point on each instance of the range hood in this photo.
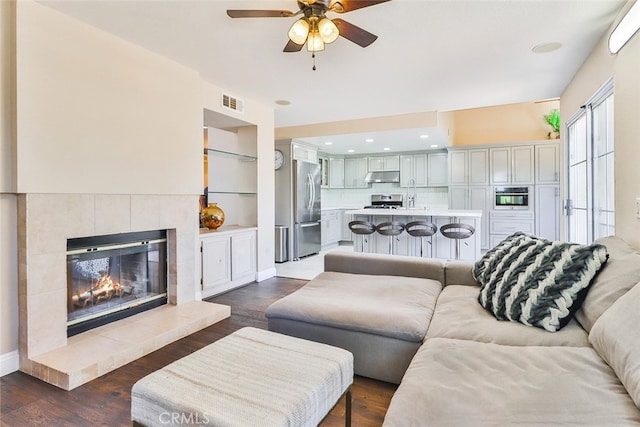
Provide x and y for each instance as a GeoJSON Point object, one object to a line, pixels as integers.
{"type": "Point", "coordinates": [382, 176]}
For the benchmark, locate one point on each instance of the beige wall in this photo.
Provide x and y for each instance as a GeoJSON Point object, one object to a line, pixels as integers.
{"type": "Point", "coordinates": [7, 96]}
{"type": "Point", "coordinates": [373, 124]}
{"type": "Point", "coordinates": [100, 115]}
{"type": "Point", "coordinates": [97, 114]}
{"type": "Point", "coordinates": [625, 69]}
{"type": "Point", "coordinates": [502, 123]}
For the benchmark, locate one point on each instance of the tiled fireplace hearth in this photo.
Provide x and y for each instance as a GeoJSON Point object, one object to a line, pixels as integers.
{"type": "Point", "coordinates": [46, 222]}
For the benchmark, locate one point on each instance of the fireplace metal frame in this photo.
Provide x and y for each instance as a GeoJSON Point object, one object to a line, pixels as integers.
{"type": "Point", "coordinates": [107, 243]}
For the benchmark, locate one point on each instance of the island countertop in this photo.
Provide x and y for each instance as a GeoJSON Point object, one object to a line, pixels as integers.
{"type": "Point", "coordinates": [460, 213]}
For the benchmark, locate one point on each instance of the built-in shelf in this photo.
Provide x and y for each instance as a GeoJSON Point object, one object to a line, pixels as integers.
{"type": "Point", "coordinates": [231, 155]}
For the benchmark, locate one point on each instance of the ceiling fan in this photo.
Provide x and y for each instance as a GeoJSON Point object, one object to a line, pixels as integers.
{"type": "Point", "coordinates": [314, 29]}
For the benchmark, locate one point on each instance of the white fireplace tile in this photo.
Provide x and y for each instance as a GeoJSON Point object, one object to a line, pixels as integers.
{"type": "Point", "coordinates": [179, 212]}
{"type": "Point", "coordinates": [113, 214]}
{"type": "Point", "coordinates": [47, 328]}
{"type": "Point", "coordinates": [145, 212]}
{"type": "Point", "coordinates": [52, 218]}
{"type": "Point", "coordinates": [47, 272]}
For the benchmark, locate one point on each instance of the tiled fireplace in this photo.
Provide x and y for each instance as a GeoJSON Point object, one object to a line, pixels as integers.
{"type": "Point", "coordinates": [47, 306]}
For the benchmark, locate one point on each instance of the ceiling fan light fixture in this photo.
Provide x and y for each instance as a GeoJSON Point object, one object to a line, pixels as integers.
{"type": "Point", "coordinates": [299, 31]}
{"type": "Point", "coordinates": [328, 30]}
{"type": "Point", "coordinates": [315, 42]}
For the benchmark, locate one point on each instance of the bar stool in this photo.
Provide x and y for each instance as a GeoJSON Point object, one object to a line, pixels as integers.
{"type": "Point", "coordinates": [391, 229]}
{"type": "Point", "coordinates": [421, 229]}
{"type": "Point", "coordinates": [457, 231]}
{"type": "Point", "coordinates": [363, 228]}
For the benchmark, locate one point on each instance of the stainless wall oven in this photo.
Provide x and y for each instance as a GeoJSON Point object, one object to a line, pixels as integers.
{"type": "Point", "coordinates": [511, 198]}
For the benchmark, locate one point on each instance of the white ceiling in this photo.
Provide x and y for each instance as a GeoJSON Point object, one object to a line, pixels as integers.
{"type": "Point", "coordinates": [439, 55]}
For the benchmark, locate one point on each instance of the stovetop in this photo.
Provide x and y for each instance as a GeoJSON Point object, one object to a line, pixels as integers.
{"type": "Point", "coordinates": [382, 207]}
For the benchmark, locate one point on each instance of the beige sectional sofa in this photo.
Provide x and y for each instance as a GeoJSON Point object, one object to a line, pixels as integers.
{"type": "Point", "coordinates": [467, 368]}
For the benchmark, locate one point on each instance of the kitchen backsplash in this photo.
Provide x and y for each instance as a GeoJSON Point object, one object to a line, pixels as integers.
{"type": "Point", "coordinates": [437, 197]}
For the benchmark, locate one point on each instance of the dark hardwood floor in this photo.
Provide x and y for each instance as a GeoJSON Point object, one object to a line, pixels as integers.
{"type": "Point", "coordinates": [106, 401]}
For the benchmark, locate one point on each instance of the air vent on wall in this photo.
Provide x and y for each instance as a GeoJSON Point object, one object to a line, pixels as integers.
{"type": "Point", "coordinates": [232, 103]}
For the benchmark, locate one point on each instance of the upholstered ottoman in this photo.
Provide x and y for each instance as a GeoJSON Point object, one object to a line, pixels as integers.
{"type": "Point", "coordinates": [381, 319]}
{"type": "Point", "coordinates": [249, 378]}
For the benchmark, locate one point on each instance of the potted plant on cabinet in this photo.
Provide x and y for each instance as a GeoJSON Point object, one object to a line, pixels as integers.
{"type": "Point", "coordinates": [553, 120]}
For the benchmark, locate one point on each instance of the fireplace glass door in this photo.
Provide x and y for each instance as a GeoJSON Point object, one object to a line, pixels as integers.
{"type": "Point", "coordinates": [113, 277]}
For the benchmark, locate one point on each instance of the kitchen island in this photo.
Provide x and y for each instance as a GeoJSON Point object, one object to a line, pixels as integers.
{"type": "Point", "coordinates": [436, 247]}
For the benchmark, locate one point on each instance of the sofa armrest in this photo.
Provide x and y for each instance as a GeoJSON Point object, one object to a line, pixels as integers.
{"type": "Point", "coordinates": [459, 273]}
{"type": "Point", "coordinates": [389, 265]}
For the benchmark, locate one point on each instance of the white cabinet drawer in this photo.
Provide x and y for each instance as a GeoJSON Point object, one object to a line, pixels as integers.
{"type": "Point", "coordinates": [509, 227]}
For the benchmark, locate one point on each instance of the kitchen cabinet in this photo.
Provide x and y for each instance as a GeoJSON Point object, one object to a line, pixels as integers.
{"type": "Point", "coordinates": [345, 219]}
{"type": "Point", "coordinates": [469, 167]}
{"type": "Point", "coordinates": [336, 172]}
{"type": "Point", "coordinates": [304, 153]}
{"type": "Point", "coordinates": [355, 170]}
{"type": "Point", "coordinates": [512, 165]}
{"type": "Point", "coordinates": [323, 162]}
{"type": "Point", "coordinates": [547, 164]}
{"type": "Point", "coordinates": [384, 163]}
{"type": "Point", "coordinates": [548, 211]}
{"type": "Point", "coordinates": [475, 198]}
{"type": "Point", "coordinates": [437, 169]}
{"type": "Point", "coordinates": [331, 227]}
{"type": "Point", "coordinates": [427, 169]}
{"type": "Point", "coordinates": [228, 260]}
{"type": "Point", "coordinates": [504, 223]}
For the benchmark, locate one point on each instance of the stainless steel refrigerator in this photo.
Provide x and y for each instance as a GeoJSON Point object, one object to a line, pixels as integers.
{"type": "Point", "coordinates": [306, 209]}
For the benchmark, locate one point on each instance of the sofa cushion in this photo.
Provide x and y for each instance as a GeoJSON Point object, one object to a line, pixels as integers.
{"type": "Point", "coordinates": [535, 281]}
{"type": "Point", "coordinates": [466, 383]}
{"type": "Point", "coordinates": [392, 306]}
{"type": "Point", "coordinates": [617, 276]}
{"type": "Point", "coordinates": [458, 315]}
{"type": "Point", "coordinates": [616, 337]}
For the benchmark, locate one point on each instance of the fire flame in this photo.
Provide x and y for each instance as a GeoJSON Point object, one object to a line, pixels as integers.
{"type": "Point", "coordinates": [104, 289]}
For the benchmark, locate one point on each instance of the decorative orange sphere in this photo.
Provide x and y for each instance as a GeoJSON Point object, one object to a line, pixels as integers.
{"type": "Point", "coordinates": [212, 216]}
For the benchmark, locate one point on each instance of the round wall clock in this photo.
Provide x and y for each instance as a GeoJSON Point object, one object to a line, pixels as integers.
{"type": "Point", "coordinates": [278, 159]}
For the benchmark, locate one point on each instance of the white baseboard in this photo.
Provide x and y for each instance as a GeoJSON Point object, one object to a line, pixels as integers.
{"type": "Point", "coordinates": [265, 274]}
{"type": "Point", "coordinates": [9, 362]}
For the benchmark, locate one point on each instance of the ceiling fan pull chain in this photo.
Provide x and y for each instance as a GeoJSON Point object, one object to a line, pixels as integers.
{"type": "Point", "coordinates": [313, 55]}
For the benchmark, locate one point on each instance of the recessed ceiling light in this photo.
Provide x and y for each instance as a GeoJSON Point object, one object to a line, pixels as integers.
{"type": "Point", "coordinates": [434, 145]}
{"type": "Point", "coordinates": [546, 47]}
{"type": "Point", "coordinates": [424, 136]}
{"type": "Point", "coordinates": [386, 149]}
{"type": "Point", "coordinates": [368, 140]}
{"type": "Point", "coordinates": [283, 102]}
{"type": "Point", "coordinates": [350, 151]}
{"type": "Point", "coordinates": [328, 143]}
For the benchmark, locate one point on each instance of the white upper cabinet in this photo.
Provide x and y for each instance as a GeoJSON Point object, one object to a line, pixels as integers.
{"type": "Point", "coordinates": [336, 172]}
{"type": "Point", "coordinates": [355, 170]}
{"type": "Point", "coordinates": [469, 167]}
{"type": "Point", "coordinates": [479, 167]}
{"type": "Point", "coordinates": [406, 169]}
{"type": "Point", "coordinates": [511, 165]}
{"type": "Point", "coordinates": [384, 163]}
{"type": "Point", "coordinates": [522, 165]}
{"type": "Point", "coordinates": [548, 164]}
{"type": "Point", "coordinates": [458, 167]}
{"type": "Point", "coordinates": [436, 167]}
{"type": "Point", "coordinates": [500, 165]}
{"type": "Point", "coordinates": [426, 169]}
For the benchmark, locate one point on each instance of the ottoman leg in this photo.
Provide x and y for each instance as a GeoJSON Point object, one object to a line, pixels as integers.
{"type": "Point", "coordinates": [347, 413]}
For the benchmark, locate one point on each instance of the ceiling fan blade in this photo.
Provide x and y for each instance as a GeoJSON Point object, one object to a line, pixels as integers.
{"type": "Point", "coordinates": [354, 33]}
{"type": "Point", "coordinates": [292, 47]}
{"type": "Point", "coordinates": [234, 13]}
{"type": "Point", "coordinates": [342, 6]}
